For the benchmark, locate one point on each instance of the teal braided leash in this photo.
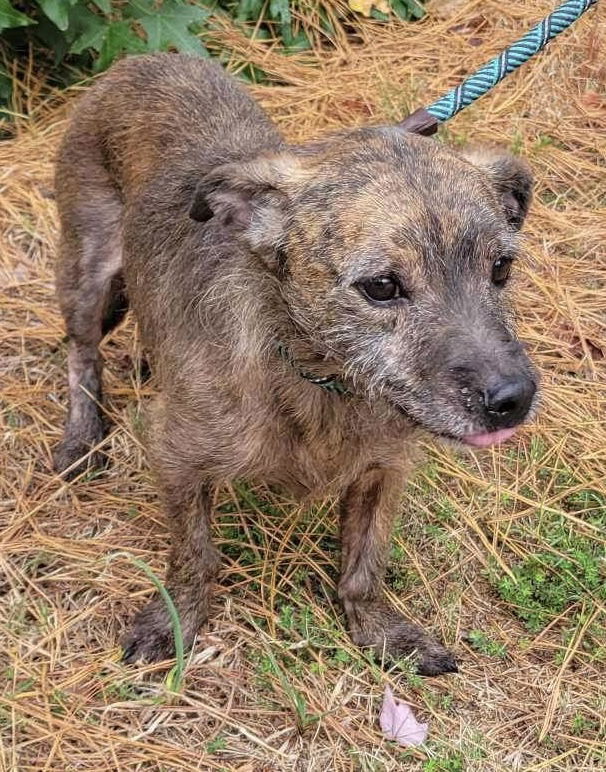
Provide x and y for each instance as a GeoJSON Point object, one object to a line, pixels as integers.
{"type": "Point", "coordinates": [427, 119]}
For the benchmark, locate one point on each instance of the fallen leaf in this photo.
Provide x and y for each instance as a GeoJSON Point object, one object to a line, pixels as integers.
{"type": "Point", "coordinates": [360, 6]}
{"type": "Point", "coordinates": [593, 106]}
{"type": "Point", "coordinates": [470, 25]}
{"type": "Point", "coordinates": [398, 722]}
{"type": "Point", "coordinates": [365, 6]}
{"type": "Point", "coordinates": [444, 10]}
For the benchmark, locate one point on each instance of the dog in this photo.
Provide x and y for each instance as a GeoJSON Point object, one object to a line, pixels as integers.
{"type": "Point", "coordinates": [309, 312]}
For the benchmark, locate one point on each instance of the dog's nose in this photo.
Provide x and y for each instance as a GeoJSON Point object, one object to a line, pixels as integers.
{"type": "Point", "coordinates": [508, 401]}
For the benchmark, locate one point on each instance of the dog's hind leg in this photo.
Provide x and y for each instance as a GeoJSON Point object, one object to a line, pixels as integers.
{"type": "Point", "coordinates": [91, 295]}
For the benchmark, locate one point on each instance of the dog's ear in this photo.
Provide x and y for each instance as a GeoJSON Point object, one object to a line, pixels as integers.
{"type": "Point", "coordinates": [251, 197]}
{"type": "Point", "coordinates": [511, 177]}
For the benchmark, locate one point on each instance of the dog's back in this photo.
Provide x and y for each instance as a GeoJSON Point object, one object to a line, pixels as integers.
{"type": "Point", "coordinates": [151, 111]}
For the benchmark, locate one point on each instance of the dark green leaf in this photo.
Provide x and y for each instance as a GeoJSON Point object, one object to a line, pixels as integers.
{"type": "Point", "coordinates": [280, 11]}
{"type": "Point", "coordinates": [57, 11]}
{"type": "Point", "coordinates": [104, 5]}
{"type": "Point", "coordinates": [6, 87]}
{"type": "Point", "coordinates": [256, 33]}
{"type": "Point", "coordinates": [400, 9]}
{"type": "Point", "coordinates": [325, 22]}
{"type": "Point", "coordinates": [120, 38]}
{"type": "Point", "coordinates": [378, 15]}
{"type": "Point", "coordinates": [89, 30]}
{"type": "Point", "coordinates": [252, 74]}
{"type": "Point", "coordinates": [169, 25]}
{"type": "Point", "coordinates": [249, 10]}
{"type": "Point", "coordinates": [9, 17]}
{"type": "Point", "coordinates": [415, 9]}
{"type": "Point", "coordinates": [51, 38]}
{"type": "Point", "coordinates": [298, 42]}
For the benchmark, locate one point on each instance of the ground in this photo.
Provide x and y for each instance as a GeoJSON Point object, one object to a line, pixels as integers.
{"type": "Point", "coordinates": [502, 553]}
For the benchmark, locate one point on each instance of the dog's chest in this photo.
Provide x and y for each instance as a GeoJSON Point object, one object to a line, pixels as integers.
{"type": "Point", "coordinates": [324, 442]}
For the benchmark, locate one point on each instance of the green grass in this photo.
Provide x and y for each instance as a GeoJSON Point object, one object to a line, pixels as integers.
{"type": "Point", "coordinates": [175, 676]}
{"type": "Point", "coordinates": [484, 644]}
{"type": "Point", "coordinates": [125, 691]}
{"type": "Point", "coordinates": [278, 676]}
{"type": "Point", "coordinates": [218, 743]}
{"type": "Point", "coordinates": [582, 725]}
{"type": "Point", "coordinates": [551, 580]}
{"type": "Point", "coordinates": [452, 763]}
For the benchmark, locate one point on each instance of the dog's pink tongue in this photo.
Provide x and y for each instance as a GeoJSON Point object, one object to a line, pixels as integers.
{"type": "Point", "coordinates": [489, 438]}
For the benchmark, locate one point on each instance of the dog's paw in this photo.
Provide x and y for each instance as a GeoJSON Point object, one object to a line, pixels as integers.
{"type": "Point", "coordinates": [431, 657]}
{"type": "Point", "coordinates": [392, 637]}
{"type": "Point", "coordinates": [151, 638]}
{"type": "Point", "coordinates": [435, 659]}
{"type": "Point", "coordinates": [70, 462]}
{"type": "Point", "coordinates": [72, 457]}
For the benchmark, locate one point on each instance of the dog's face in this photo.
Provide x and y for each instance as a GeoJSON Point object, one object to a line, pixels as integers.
{"type": "Point", "coordinates": [393, 254]}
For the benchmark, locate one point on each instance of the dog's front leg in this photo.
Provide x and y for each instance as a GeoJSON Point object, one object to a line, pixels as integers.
{"type": "Point", "coordinates": [368, 511]}
{"type": "Point", "coordinates": [192, 566]}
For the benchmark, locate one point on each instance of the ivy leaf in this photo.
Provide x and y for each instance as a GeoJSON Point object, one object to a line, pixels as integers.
{"type": "Point", "coordinates": [249, 9]}
{"type": "Point", "coordinates": [89, 30]}
{"type": "Point", "coordinates": [6, 87]}
{"type": "Point", "coordinates": [9, 17]}
{"type": "Point", "coordinates": [168, 26]}
{"type": "Point", "coordinates": [414, 8]}
{"type": "Point", "coordinates": [104, 5]}
{"type": "Point", "coordinates": [379, 15]}
{"type": "Point", "coordinates": [298, 42]}
{"type": "Point", "coordinates": [280, 11]}
{"type": "Point", "coordinates": [120, 38]}
{"type": "Point", "coordinates": [57, 11]}
{"type": "Point", "coordinates": [400, 9]}
{"type": "Point", "coordinates": [51, 37]}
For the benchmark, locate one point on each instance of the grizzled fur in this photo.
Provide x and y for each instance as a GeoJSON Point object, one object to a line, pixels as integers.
{"type": "Point", "coordinates": [176, 192]}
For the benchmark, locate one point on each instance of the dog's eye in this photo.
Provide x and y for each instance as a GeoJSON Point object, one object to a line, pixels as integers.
{"type": "Point", "coordinates": [501, 269]}
{"type": "Point", "coordinates": [381, 289]}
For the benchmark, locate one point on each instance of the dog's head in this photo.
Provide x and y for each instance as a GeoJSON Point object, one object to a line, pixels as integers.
{"type": "Point", "coordinates": [393, 254]}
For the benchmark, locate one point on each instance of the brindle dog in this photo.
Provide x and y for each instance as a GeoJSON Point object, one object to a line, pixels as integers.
{"type": "Point", "coordinates": [260, 274]}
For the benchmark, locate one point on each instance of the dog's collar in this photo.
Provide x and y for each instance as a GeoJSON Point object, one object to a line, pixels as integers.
{"type": "Point", "coordinates": [330, 383]}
